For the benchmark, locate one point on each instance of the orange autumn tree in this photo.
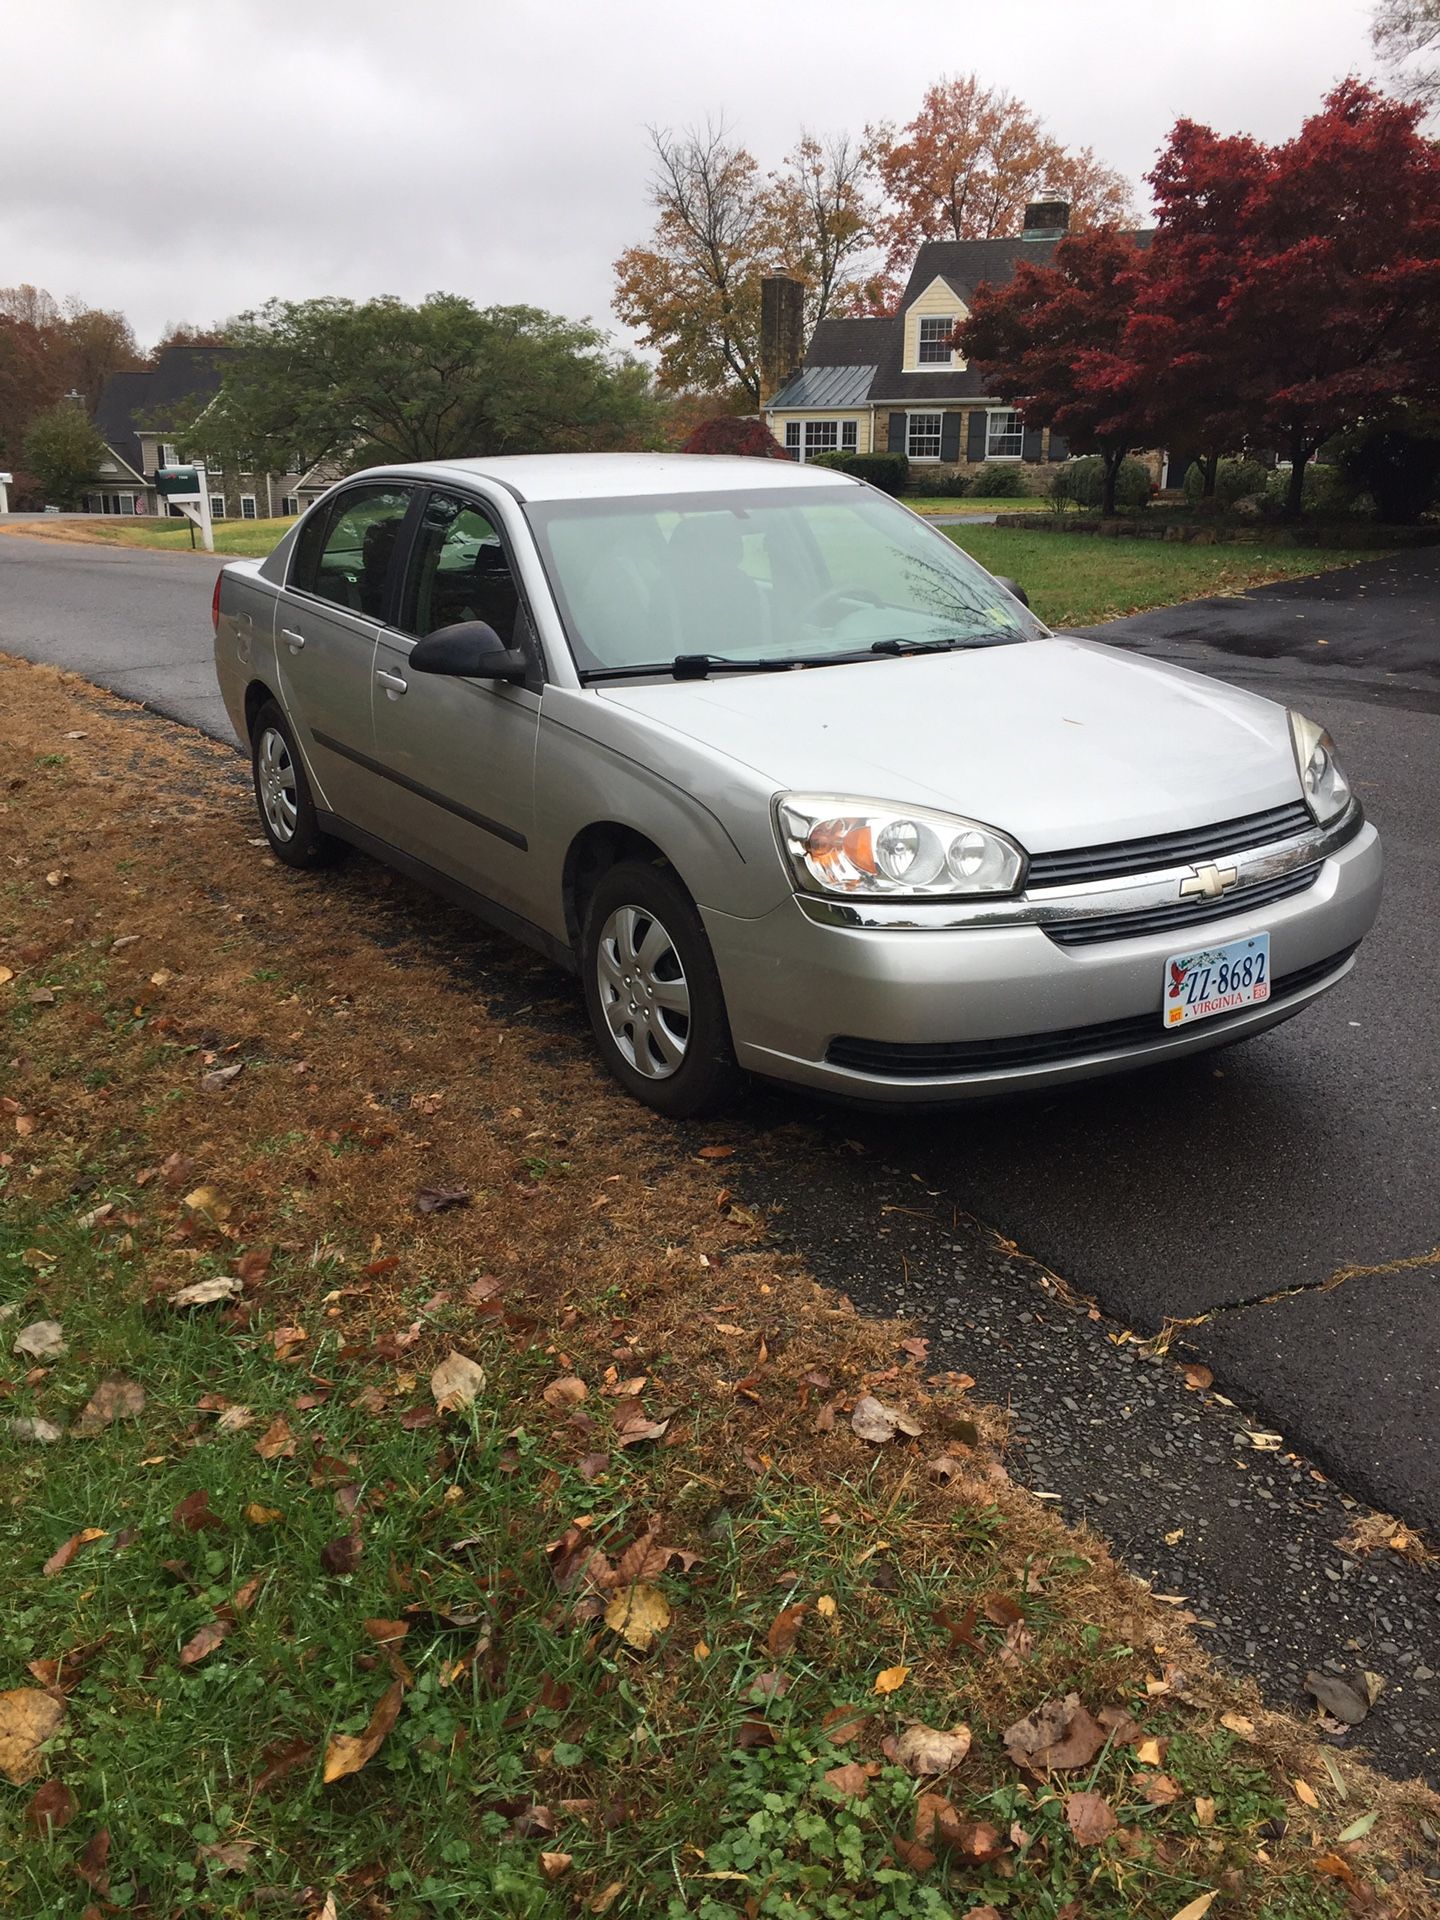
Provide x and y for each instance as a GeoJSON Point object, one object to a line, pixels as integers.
{"type": "Point", "coordinates": [968, 164]}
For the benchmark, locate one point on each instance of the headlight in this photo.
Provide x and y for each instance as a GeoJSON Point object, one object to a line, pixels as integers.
{"type": "Point", "coordinates": [1327, 791]}
{"type": "Point", "coordinates": [839, 845]}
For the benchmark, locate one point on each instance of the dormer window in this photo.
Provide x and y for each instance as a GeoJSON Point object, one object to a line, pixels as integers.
{"type": "Point", "coordinates": [935, 332]}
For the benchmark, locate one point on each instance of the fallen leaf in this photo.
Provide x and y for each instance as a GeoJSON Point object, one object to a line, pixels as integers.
{"type": "Point", "coordinates": [716, 1153]}
{"type": "Point", "coordinates": [1357, 1829]}
{"type": "Point", "coordinates": [226, 1856]}
{"type": "Point", "coordinates": [455, 1382]}
{"type": "Point", "coordinates": [1347, 1696]}
{"type": "Point", "coordinates": [92, 1867]}
{"type": "Point", "coordinates": [243, 1597]}
{"type": "Point", "coordinates": [874, 1421]}
{"type": "Point", "coordinates": [552, 1865]}
{"type": "Point", "coordinates": [220, 1077]}
{"type": "Point", "coordinates": [568, 1391]}
{"type": "Point", "coordinates": [205, 1200]}
{"type": "Point", "coordinates": [1089, 1818]}
{"type": "Point", "coordinates": [637, 1614]}
{"type": "Point", "coordinates": [203, 1642]}
{"type": "Point", "coordinates": [116, 1398]}
{"type": "Point", "coordinates": [235, 1420]}
{"type": "Point", "coordinates": [438, 1199]}
{"type": "Point", "coordinates": [1058, 1735]}
{"type": "Point", "coordinates": [32, 1427]}
{"type": "Point", "coordinates": [1150, 1753]}
{"type": "Point", "coordinates": [258, 1516]}
{"type": "Point", "coordinates": [52, 1807]}
{"type": "Point", "coordinates": [1239, 1723]}
{"type": "Point", "coordinates": [606, 1897]}
{"type": "Point", "coordinates": [194, 1514]}
{"type": "Point", "coordinates": [1158, 1789]}
{"type": "Point", "coordinates": [1305, 1793]}
{"type": "Point", "coordinates": [385, 1632]}
{"type": "Point", "coordinates": [41, 1340]}
{"type": "Point", "coordinates": [926, 1750]}
{"type": "Point", "coordinates": [282, 1759]}
{"type": "Point", "coordinates": [62, 1556]}
{"type": "Point", "coordinates": [852, 1779]}
{"type": "Point", "coordinates": [1204, 1811]}
{"type": "Point", "coordinates": [892, 1679]}
{"type": "Point", "coordinates": [1198, 1908]}
{"type": "Point", "coordinates": [28, 1718]}
{"type": "Point", "coordinates": [1198, 1377]}
{"type": "Point", "coordinates": [844, 1724]}
{"type": "Point", "coordinates": [5, 976]}
{"type": "Point", "coordinates": [342, 1555]}
{"type": "Point", "coordinates": [1337, 1867]}
{"type": "Point", "coordinates": [347, 1753]}
{"type": "Point", "coordinates": [785, 1628]}
{"type": "Point", "coordinates": [277, 1442]}
{"type": "Point", "coordinates": [206, 1293]}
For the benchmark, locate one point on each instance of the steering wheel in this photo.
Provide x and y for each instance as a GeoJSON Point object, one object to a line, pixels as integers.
{"type": "Point", "coordinates": [835, 598]}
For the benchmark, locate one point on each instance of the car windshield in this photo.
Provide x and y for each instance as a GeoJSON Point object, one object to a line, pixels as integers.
{"type": "Point", "coordinates": [805, 574]}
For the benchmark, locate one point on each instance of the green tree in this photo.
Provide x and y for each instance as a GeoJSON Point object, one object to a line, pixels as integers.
{"type": "Point", "coordinates": [382, 381]}
{"type": "Point", "coordinates": [64, 452]}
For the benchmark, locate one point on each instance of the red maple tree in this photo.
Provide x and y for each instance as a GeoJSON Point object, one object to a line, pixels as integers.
{"type": "Point", "coordinates": [727, 434]}
{"type": "Point", "coordinates": [1293, 289]}
{"type": "Point", "coordinates": [1053, 341]}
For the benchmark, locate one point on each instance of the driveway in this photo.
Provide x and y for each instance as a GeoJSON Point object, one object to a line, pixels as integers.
{"type": "Point", "coordinates": [1280, 1197]}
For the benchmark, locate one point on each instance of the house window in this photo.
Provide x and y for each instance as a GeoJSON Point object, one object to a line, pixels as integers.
{"type": "Point", "coordinates": [247, 506]}
{"type": "Point", "coordinates": [821, 436]}
{"type": "Point", "coordinates": [849, 435]}
{"type": "Point", "coordinates": [935, 332]}
{"type": "Point", "coordinates": [217, 506]}
{"type": "Point", "coordinates": [167, 455]}
{"type": "Point", "coordinates": [922, 436]}
{"type": "Point", "coordinates": [289, 505]}
{"type": "Point", "coordinates": [127, 503]}
{"type": "Point", "coordinates": [1004, 434]}
{"type": "Point", "coordinates": [792, 436]}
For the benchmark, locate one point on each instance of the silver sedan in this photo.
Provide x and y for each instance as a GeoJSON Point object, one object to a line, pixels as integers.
{"type": "Point", "coordinates": [798, 788]}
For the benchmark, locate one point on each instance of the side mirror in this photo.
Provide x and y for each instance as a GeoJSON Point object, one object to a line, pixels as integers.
{"type": "Point", "coordinates": [1014, 587]}
{"type": "Point", "coordinates": [470, 650]}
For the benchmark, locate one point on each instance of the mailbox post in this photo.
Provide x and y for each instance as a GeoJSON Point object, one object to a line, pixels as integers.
{"type": "Point", "coordinates": [188, 488]}
{"type": "Point", "coordinates": [5, 480]}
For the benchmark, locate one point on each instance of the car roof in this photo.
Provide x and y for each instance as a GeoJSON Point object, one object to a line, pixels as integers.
{"type": "Point", "coordinates": [596, 476]}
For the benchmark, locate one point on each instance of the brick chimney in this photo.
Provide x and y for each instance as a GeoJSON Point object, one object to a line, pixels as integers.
{"type": "Point", "coordinates": [1046, 219]}
{"type": "Point", "coordinates": [782, 331]}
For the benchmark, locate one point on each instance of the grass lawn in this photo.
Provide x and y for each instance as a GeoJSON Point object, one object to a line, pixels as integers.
{"type": "Point", "coordinates": [494, 1535]}
{"type": "Point", "coordinates": [1078, 581]}
{"type": "Point", "coordinates": [254, 538]}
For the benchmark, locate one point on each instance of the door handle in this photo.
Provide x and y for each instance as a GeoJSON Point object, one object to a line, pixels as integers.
{"type": "Point", "coordinates": [391, 682]}
{"type": "Point", "coordinates": [295, 641]}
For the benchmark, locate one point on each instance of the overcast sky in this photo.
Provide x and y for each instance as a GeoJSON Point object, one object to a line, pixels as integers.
{"type": "Point", "coordinates": [185, 159]}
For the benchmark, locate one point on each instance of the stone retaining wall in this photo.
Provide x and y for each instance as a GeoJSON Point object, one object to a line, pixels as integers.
{"type": "Point", "coordinates": [1199, 533]}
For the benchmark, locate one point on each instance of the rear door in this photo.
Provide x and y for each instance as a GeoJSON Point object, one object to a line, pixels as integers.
{"type": "Point", "coordinates": [342, 578]}
{"type": "Point", "coordinates": [460, 754]}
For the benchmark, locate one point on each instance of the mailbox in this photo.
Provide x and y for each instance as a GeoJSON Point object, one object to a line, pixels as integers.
{"type": "Point", "coordinates": [178, 483]}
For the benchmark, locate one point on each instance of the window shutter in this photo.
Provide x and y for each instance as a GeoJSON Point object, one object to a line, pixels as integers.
{"type": "Point", "coordinates": [1030, 446]}
{"type": "Point", "coordinates": [896, 441]}
{"type": "Point", "coordinates": [976, 449]}
{"type": "Point", "coordinates": [1058, 448]}
{"type": "Point", "coordinates": [949, 436]}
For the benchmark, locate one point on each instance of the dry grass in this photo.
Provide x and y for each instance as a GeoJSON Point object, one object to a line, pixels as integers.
{"type": "Point", "coordinates": [378, 1060]}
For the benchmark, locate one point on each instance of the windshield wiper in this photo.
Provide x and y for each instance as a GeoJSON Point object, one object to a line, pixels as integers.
{"type": "Point", "coordinates": [941, 646]}
{"type": "Point", "coordinates": [697, 666]}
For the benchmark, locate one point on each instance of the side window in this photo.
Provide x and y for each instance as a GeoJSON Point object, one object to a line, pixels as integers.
{"type": "Point", "coordinates": [459, 571]}
{"type": "Point", "coordinates": [345, 551]}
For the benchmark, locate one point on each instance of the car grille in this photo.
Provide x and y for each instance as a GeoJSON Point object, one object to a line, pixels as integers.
{"type": "Point", "coordinates": [1078, 865]}
{"type": "Point", "coordinates": [1184, 913]}
{"type": "Point", "coordinates": [906, 1060]}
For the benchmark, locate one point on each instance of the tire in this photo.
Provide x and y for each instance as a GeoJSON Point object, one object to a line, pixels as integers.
{"type": "Point", "coordinates": [669, 1044]}
{"type": "Point", "coordinates": [283, 797]}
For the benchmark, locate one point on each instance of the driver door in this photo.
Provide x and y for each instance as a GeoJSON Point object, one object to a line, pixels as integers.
{"type": "Point", "coordinates": [459, 755]}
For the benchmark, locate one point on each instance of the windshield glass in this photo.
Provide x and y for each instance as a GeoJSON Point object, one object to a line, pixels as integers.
{"type": "Point", "coordinates": [787, 573]}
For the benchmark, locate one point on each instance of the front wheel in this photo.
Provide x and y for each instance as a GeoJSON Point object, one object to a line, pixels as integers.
{"type": "Point", "coordinates": [282, 793]}
{"type": "Point", "coordinates": [653, 993]}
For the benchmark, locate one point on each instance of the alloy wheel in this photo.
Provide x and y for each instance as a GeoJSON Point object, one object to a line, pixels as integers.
{"type": "Point", "coordinates": [643, 992]}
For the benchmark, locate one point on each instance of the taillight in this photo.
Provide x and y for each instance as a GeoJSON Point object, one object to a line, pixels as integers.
{"type": "Point", "coordinates": [215, 603]}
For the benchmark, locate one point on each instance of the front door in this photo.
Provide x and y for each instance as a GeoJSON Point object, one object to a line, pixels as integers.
{"type": "Point", "coordinates": [459, 754]}
{"type": "Point", "coordinates": [335, 600]}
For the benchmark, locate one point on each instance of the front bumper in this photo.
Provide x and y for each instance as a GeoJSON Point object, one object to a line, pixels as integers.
{"type": "Point", "coordinates": [919, 1014]}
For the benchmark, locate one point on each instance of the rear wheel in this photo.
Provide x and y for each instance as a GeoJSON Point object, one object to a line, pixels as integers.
{"type": "Point", "coordinates": [282, 793]}
{"type": "Point", "coordinates": [654, 995]}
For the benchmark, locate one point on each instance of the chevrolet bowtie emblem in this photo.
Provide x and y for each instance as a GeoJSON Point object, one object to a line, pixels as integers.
{"type": "Point", "coordinates": [1208, 882]}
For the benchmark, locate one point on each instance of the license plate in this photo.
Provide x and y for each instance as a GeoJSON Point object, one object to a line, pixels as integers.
{"type": "Point", "coordinates": [1216, 980]}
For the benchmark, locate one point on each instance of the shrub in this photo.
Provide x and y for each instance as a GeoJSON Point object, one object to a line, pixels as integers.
{"type": "Point", "coordinates": [1398, 465]}
{"type": "Point", "coordinates": [1324, 490]}
{"type": "Point", "coordinates": [730, 434]}
{"type": "Point", "coordinates": [888, 471]}
{"type": "Point", "coordinates": [998, 480]}
{"type": "Point", "coordinates": [1234, 480]}
{"type": "Point", "coordinates": [936, 483]}
{"type": "Point", "coordinates": [1083, 481]}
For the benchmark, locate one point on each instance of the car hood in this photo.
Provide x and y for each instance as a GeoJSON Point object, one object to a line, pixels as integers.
{"type": "Point", "coordinates": [1060, 742]}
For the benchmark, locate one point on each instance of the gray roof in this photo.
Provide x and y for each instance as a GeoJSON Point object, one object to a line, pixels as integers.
{"type": "Point", "coordinates": [848, 343]}
{"type": "Point", "coordinates": [130, 402]}
{"type": "Point", "coordinates": [816, 386]}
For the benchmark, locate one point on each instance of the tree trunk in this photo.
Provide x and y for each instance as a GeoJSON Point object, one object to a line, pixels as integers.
{"type": "Point", "coordinates": [1209, 467]}
{"type": "Point", "coordinates": [1295, 492]}
{"type": "Point", "coordinates": [1112, 474]}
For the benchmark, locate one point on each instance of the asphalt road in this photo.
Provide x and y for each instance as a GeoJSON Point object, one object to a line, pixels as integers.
{"type": "Point", "coordinates": [1283, 1195]}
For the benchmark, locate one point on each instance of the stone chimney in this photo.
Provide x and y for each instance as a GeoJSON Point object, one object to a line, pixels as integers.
{"type": "Point", "coordinates": [782, 332]}
{"type": "Point", "coordinates": [1046, 219]}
